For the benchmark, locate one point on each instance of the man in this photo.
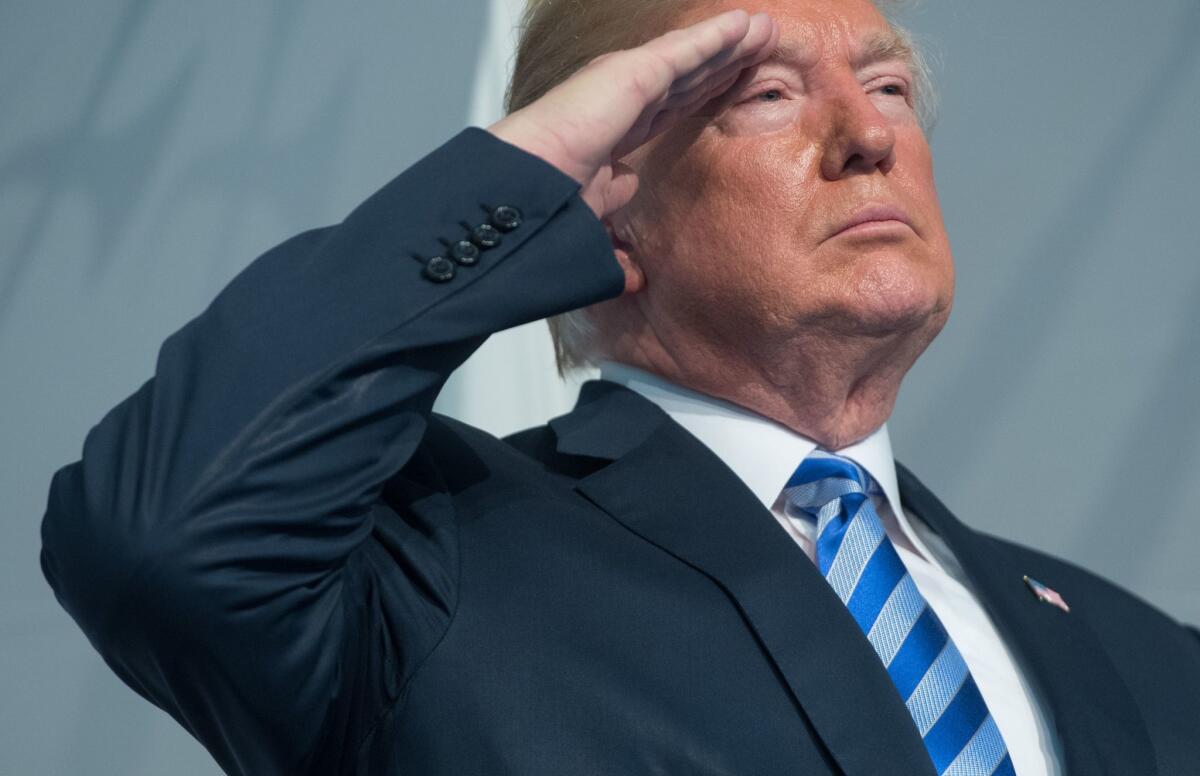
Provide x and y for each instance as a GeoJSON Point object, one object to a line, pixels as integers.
{"type": "Point", "coordinates": [710, 566]}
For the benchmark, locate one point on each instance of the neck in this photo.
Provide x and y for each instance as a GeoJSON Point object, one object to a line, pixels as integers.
{"type": "Point", "coordinates": [835, 389]}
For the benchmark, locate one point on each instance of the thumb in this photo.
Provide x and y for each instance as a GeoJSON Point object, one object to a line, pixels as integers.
{"type": "Point", "coordinates": [611, 189]}
{"type": "Point", "coordinates": [621, 189]}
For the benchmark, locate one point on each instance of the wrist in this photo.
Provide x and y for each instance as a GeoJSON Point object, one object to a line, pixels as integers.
{"type": "Point", "coordinates": [518, 131]}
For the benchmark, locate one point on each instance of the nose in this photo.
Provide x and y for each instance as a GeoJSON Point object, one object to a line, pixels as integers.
{"type": "Point", "coordinates": [860, 138]}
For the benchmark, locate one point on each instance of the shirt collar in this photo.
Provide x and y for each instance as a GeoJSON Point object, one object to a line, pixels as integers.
{"type": "Point", "coordinates": [761, 452]}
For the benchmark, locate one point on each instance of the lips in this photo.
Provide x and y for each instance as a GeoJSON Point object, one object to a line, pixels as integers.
{"type": "Point", "coordinates": [874, 214]}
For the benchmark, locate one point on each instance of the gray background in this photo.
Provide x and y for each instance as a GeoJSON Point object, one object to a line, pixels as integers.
{"type": "Point", "coordinates": [149, 151]}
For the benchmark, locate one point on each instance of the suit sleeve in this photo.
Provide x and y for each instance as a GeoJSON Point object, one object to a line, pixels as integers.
{"type": "Point", "coordinates": [216, 542]}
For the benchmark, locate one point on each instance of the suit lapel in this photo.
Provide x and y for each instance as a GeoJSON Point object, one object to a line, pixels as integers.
{"type": "Point", "coordinates": [1098, 725]}
{"type": "Point", "coordinates": [668, 488]}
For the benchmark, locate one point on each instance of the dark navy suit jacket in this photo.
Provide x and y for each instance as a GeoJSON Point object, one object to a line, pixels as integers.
{"type": "Point", "coordinates": [275, 541]}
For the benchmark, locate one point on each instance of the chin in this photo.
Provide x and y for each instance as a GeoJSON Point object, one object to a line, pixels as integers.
{"type": "Point", "coordinates": [892, 295]}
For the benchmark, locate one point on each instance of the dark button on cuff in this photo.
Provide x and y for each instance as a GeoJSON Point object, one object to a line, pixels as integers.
{"type": "Point", "coordinates": [464, 252]}
{"type": "Point", "coordinates": [506, 218]}
{"type": "Point", "coordinates": [439, 269]}
{"type": "Point", "coordinates": [485, 236]}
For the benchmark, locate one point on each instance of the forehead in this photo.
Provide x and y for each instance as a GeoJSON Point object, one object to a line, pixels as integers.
{"type": "Point", "coordinates": [811, 29]}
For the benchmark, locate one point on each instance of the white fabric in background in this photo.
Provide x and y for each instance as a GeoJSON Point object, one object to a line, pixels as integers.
{"type": "Point", "coordinates": [510, 383]}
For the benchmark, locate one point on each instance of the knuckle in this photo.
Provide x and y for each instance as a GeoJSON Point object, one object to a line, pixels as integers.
{"type": "Point", "coordinates": [648, 75]}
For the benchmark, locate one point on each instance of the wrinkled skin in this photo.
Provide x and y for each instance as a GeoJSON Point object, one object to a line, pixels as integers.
{"type": "Point", "coordinates": [742, 286]}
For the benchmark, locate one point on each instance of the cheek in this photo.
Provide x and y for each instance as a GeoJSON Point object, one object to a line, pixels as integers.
{"type": "Point", "coordinates": [919, 179]}
{"type": "Point", "coordinates": [915, 179]}
{"type": "Point", "coordinates": [725, 226]}
{"type": "Point", "coordinates": [750, 194]}
{"type": "Point", "coordinates": [726, 218]}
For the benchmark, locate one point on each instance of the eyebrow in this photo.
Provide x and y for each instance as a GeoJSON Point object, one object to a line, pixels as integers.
{"type": "Point", "coordinates": [881, 46]}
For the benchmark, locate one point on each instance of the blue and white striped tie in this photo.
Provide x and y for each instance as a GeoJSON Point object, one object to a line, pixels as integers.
{"type": "Point", "coordinates": [860, 563]}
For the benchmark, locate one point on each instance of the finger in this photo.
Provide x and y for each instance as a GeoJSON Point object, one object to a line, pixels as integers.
{"type": "Point", "coordinates": [686, 49]}
{"type": "Point", "coordinates": [654, 67]}
{"type": "Point", "coordinates": [654, 122]}
{"type": "Point", "coordinates": [750, 50]}
{"type": "Point", "coordinates": [728, 90]}
{"type": "Point", "coordinates": [762, 32]}
{"type": "Point", "coordinates": [717, 81]}
{"type": "Point", "coordinates": [728, 77]}
{"type": "Point", "coordinates": [622, 188]}
{"type": "Point", "coordinates": [646, 73]}
{"type": "Point", "coordinates": [649, 126]}
{"type": "Point", "coordinates": [665, 120]}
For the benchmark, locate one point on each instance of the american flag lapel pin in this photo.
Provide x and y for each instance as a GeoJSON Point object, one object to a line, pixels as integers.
{"type": "Point", "coordinates": [1045, 594]}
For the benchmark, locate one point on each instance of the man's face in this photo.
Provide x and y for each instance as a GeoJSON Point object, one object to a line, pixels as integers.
{"type": "Point", "coordinates": [743, 220]}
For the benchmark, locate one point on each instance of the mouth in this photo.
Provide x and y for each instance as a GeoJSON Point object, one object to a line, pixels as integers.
{"type": "Point", "coordinates": [878, 218]}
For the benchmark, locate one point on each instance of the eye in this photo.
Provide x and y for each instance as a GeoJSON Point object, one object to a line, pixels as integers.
{"type": "Point", "coordinates": [768, 95]}
{"type": "Point", "coordinates": [894, 89]}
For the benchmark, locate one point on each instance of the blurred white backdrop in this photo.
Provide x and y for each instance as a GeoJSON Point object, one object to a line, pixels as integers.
{"type": "Point", "coordinates": [149, 151]}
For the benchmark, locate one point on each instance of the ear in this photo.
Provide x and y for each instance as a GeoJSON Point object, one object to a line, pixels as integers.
{"type": "Point", "coordinates": [623, 248]}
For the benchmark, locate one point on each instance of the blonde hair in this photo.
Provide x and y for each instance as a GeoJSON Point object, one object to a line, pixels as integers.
{"type": "Point", "coordinates": [558, 37]}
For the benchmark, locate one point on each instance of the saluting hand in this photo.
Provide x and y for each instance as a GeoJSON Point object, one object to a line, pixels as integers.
{"type": "Point", "coordinates": [620, 100]}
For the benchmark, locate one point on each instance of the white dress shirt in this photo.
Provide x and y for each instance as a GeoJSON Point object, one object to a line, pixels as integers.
{"type": "Point", "coordinates": [764, 454]}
